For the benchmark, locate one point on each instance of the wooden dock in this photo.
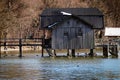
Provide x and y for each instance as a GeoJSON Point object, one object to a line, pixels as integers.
{"type": "Point", "coordinates": [11, 42]}
{"type": "Point", "coordinates": [109, 49]}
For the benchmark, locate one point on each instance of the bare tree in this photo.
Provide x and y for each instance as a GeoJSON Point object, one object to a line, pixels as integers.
{"type": "Point", "coordinates": [114, 10]}
{"type": "Point", "coordinates": [50, 3]}
{"type": "Point", "coordinates": [111, 9]}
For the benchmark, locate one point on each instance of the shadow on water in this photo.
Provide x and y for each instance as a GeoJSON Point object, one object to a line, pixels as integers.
{"type": "Point", "coordinates": [59, 68]}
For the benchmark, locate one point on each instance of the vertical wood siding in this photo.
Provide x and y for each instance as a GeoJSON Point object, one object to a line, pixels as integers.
{"type": "Point", "coordinates": [72, 40]}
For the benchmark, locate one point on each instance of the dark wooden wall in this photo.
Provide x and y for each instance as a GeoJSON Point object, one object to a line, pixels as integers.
{"type": "Point", "coordinates": [72, 34]}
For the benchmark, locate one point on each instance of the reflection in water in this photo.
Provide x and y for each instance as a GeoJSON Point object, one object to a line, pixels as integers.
{"type": "Point", "coordinates": [60, 68]}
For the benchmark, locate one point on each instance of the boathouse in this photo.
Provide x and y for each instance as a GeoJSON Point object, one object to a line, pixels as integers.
{"type": "Point", "coordinates": [71, 28]}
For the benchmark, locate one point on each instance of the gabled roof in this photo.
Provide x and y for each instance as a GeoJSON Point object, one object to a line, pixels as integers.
{"type": "Point", "coordinates": [91, 16]}
{"type": "Point", "coordinates": [75, 11]}
{"type": "Point", "coordinates": [76, 17]}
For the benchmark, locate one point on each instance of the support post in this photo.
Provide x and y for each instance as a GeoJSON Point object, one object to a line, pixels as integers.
{"type": "Point", "coordinates": [105, 50]}
{"type": "Point", "coordinates": [117, 51]}
{"type": "Point", "coordinates": [0, 46]}
{"type": "Point", "coordinates": [53, 52]}
{"type": "Point", "coordinates": [20, 48]}
{"type": "Point", "coordinates": [43, 45]}
{"type": "Point", "coordinates": [5, 48]}
{"type": "Point", "coordinates": [113, 50]}
{"type": "Point", "coordinates": [91, 52]}
{"type": "Point", "coordinates": [68, 52]}
{"type": "Point", "coordinates": [42, 49]}
{"type": "Point", "coordinates": [73, 52]}
{"type": "Point", "coordinates": [42, 52]}
{"type": "Point", "coordinates": [0, 50]}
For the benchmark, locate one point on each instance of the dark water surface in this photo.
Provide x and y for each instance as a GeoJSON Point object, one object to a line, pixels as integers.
{"type": "Point", "coordinates": [59, 68]}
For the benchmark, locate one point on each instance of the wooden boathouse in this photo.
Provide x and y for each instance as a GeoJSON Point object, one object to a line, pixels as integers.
{"type": "Point", "coordinates": [71, 28]}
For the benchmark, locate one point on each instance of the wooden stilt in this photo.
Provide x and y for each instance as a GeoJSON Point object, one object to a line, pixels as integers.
{"type": "Point", "coordinates": [0, 45]}
{"type": "Point", "coordinates": [49, 52]}
{"type": "Point", "coordinates": [73, 52]}
{"type": "Point", "coordinates": [105, 50]}
{"type": "Point", "coordinates": [43, 44]}
{"type": "Point", "coordinates": [0, 51]}
{"type": "Point", "coordinates": [113, 50]}
{"type": "Point", "coordinates": [116, 50]}
{"type": "Point", "coordinates": [53, 52]}
{"type": "Point", "coordinates": [91, 53]}
{"type": "Point", "coordinates": [5, 48]}
{"type": "Point", "coordinates": [68, 52]}
{"type": "Point", "coordinates": [42, 52]}
{"type": "Point", "coordinates": [20, 48]}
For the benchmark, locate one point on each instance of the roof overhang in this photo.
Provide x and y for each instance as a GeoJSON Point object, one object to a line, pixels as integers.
{"type": "Point", "coordinates": [110, 31]}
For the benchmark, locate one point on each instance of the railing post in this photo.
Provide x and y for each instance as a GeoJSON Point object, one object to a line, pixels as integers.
{"type": "Point", "coordinates": [0, 50]}
{"type": "Point", "coordinates": [20, 48]}
{"type": "Point", "coordinates": [5, 48]}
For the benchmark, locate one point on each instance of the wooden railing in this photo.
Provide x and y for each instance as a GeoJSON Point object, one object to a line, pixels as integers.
{"type": "Point", "coordinates": [20, 43]}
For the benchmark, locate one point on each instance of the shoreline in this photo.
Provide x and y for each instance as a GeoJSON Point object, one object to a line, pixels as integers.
{"type": "Point", "coordinates": [36, 51]}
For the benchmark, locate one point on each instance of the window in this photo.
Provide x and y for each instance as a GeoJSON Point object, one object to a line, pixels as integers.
{"type": "Point", "coordinates": [68, 22]}
{"type": "Point", "coordinates": [79, 32]}
{"type": "Point", "coordinates": [65, 34]}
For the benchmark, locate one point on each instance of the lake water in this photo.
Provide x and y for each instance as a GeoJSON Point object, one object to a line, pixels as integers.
{"type": "Point", "coordinates": [59, 68]}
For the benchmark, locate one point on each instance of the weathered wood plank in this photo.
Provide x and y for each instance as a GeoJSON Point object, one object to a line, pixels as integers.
{"type": "Point", "coordinates": [72, 27]}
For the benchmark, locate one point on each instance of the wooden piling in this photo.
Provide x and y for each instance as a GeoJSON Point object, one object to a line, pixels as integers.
{"type": "Point", "coordinates": [73, 52]}
{"type": "Point", "coordinates": [113, 50]}
{"type": "Point", "coordinates": [105, 50]}
{"type": "Point", "coordinates": [0, 50]}
{"type": "Point", "coordinates": [0, 45]}
{"type": "Point", "coordinates": [68, 52]}
{"type": "Point", "coordinates": [5, 48]}
{"type": "Point", "coordinates": [43, 45]}
{"type": "Point", "coordinates": [42, 49]}
{"type": "Point", "coordinates": [53, 52]}
{"type": "Point", "coordinates": [20, 48]}
{"type": "Point", "coordinates": [91, 52]}
{"type": "Point", "coordinates": [116, 50]}
{"type": "Point", "coordinates": [42, 52]}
